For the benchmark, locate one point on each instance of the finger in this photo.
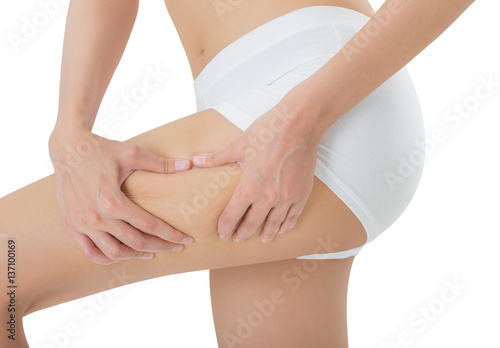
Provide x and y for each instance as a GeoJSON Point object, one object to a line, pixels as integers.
{"type": "Point", "coordinates": [252, 220]}
{"type": "Point", "coordinates": [233, 213]}
{"type": "Point", "coordinates": [150, 224]}
{"type": "Point", "coordinates": [114, 250]}
{"type": "Point", "coordinates": [89, 250]}
{"type": "Point", "coordinates": [139, 241]}
{"type": "Point", "coordinates": [292, 217]}
{"type": "Point", "coordinates": [273, 222]}
{"type": "Point", "coordinates": [146, 160]}
{"type": "Point", "coordinates": [223, 156]}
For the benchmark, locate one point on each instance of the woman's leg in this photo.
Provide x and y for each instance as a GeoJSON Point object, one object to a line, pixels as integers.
{"type": "Point", "coordinates": [290, 303]}
{"type": "Point", "coordinates": [50, 269]}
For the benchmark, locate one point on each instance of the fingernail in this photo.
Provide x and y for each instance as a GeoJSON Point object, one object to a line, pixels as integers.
{"type": "Point", "coordinates": [178, 247]}
{"type": "Point", "coordinates": [187, 240]}
{"type": "Point", "coordinates": [281, 231]}
{"type": "Point", "coordinates": [147, 256]}
{"type": "Point", "coordinates": [199, 160]}
{"type": "Point", "coordinates": [222, 236]}
{"type": "Point", "coordinates": [265, 239]}
{"type": "Point", "coordinates": [181, 165]}
{"type": "Point", "coordinates": [237, 239]}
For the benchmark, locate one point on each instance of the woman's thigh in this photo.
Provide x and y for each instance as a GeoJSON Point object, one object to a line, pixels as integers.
{"type": "Point", "coordinates": [52, 270]}
{"type": "Point", "coordinates": [291, 303]}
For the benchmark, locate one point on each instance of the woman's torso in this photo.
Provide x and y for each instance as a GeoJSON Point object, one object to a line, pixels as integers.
{"type": "Point", "coordinates": [207, 26]}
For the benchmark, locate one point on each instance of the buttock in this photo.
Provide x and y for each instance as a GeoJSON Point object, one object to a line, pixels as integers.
{"type": "Point", "coordinates": [371, 157]}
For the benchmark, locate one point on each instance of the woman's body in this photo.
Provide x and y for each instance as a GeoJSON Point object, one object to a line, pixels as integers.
{"type": "Point", "coordinates": [208, 26]}
{"type": "Point", "coordinates": [326, 224]}
{"type": "Point", "coordinates": [57, 271]}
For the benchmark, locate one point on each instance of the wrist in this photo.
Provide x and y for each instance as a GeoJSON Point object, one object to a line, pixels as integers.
{"type": "Point", "coordinates": [65, 134]}
{"type": "Point", "coordinates": [306, 112]}
{"type": "Point", "coordinates": [73, 117]}
{"type": "Point", "coordinates": [68, 129]}
{"type": "Point", "coordinates": [72, 123]}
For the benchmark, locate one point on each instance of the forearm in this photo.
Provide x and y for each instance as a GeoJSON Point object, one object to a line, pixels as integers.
{"type": "Point", "coordinates": [96, 34]}
{"type": "Point", "coordinates": [406, 27]}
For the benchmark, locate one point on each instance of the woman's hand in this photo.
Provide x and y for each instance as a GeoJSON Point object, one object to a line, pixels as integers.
{"type": "Point", "coordinates": [105, 225]}
{"type": "Point", "coordinates": [277, 154]}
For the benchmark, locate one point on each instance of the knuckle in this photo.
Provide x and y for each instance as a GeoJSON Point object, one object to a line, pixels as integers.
{"type": "Point", "coordinates": [80, 218]}
{"type": "Point", "coordinates": [68, 221]}
{"type": "Point", "coordinates": [138, 243]}
{"type": "Point", "coordinates": [132, 151]}
{"type": "Point", "coordinates": [273, 224]}
{"type": "Point", "coordinates": [247, 189]}
{"type": "Point", "coordinates": [210, 160]}
{"type": "Point", "coordinates": [89, 253]}
{"type": "Point", "coordinates": [109, 203]}
{"type": "Point", "coordinates": [163, 163]}
{"type": "Point", "coordinates": [293, 218]}
{"type": "Point", "coordinates": [289, 195]}
{"type": "Point", "coordinates": [271, 197]}
{"type": "Point", "coordinates": [225, 219]}
{"type": "Point", "coordinates": [151, 226]}
{"type": "Point", "coordinates": [94, 216]}
{"type": "Point", "coordinates": [114, 253]}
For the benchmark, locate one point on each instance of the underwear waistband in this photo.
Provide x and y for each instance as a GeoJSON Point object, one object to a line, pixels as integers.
{"type": "Point", "coordinates": [279, 45]}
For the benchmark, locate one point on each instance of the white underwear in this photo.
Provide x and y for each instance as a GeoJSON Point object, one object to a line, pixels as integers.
{"type": "Point", "coordinates": [371, 157]}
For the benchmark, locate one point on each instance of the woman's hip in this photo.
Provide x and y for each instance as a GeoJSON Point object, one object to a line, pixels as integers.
{"type": "Point", "coordinates": [371, 157]}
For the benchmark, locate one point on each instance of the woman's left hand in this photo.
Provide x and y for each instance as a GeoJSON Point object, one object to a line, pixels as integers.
{"type": "Point", "coordinates": [277, 154]}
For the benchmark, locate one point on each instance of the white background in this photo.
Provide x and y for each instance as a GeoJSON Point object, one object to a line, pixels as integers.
{"type": "Point", "coordinates": [449, 233]}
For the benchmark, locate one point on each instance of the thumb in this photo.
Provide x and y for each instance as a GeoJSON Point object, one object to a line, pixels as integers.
{"type": "Point", "coordinates": [223, 156]}
{"type": "Point", "coordinates": [146, 160]}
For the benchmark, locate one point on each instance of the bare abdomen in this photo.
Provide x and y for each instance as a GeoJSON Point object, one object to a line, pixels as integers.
{"type": "Point", "coordinates": [207, 26]}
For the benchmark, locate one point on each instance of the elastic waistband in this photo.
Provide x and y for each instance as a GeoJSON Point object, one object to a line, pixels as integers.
{"type": "Point", "coordinates": [297, 35]}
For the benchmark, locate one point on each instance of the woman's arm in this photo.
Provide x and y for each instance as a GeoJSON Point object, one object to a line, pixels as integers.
{"type": "Point", "coordinates": [89, 170]}
{"type": "Point", "coordinates": [392, 37]}
{"type": "Point", "coordinates": [97, 32]}
{"type": "Point", "coordinates": [276, 182]}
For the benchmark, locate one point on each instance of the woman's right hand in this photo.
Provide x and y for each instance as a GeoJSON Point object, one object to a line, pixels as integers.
{"type": "Point", "coordinates": [106, 226]}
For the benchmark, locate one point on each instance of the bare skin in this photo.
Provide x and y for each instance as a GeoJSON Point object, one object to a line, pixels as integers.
{"type": "Point", "coordinates": [205, 27]}
{"type": "Point", "coordinates": [54, 270]}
